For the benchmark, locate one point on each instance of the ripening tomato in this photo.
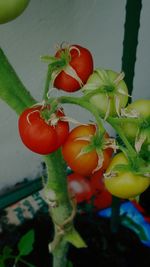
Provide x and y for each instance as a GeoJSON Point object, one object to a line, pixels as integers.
{"type": "Point", "coordinates": [79, 186]}
{"type": "Point", "coordinates": [107, 91]}
{"type": "Point", "coordinates": [79, 65]}
{"type": "Point", "coordinates": [75, 154]}
{"type": "Point", "coordinates": [124, 184]}
{"type": "Point", "coordinates": [10, 9]}
{"type": "Point", "coordinates": [39, 135]}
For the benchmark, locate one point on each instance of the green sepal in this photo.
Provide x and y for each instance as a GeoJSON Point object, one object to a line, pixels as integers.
{"type": "Point", "coordinates": [75, 239]}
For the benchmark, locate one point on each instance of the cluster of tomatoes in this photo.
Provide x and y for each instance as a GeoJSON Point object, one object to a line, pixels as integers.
{"type": "Point", "coordinates": [83, 148]}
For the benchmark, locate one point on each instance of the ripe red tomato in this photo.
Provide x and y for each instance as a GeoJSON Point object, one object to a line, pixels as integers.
{"type": "Point", "coordinates": [96, 181]}
{"type": "Point", "coordinates": [79, 186]}
{"type": "Point", "coordinates": [81, 61]}
{"type": "Point", "coordinates": [102, 198]}
{"type": "Point", "coordinates": [39, 135]}
{"type": "Point", "coordinates": [78, 139]}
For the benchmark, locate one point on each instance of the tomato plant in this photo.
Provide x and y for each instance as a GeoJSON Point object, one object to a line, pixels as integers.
{"type": "Point", "coordinates": [87, 149]}
{"type": "Point", "coordinates": [124, 183]}
{"type": "Point", "coordinates": [79, 187]}
{"type": "Point", "coordinates": [80, 150]}
{"type": "Point", "coordinates": [78, 67]}
{"type": "Point", "coordinates": [107, 91]}
{"type": "Point", "coordinates": [10, 9]}
{"type": "Point", "coordinates": [40, 135]}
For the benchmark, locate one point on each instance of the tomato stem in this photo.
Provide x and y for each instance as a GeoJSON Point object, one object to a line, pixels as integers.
{"type": "Point", "coordinates": [61, 209]}
{"type": "Point", "coordinates": [12, 91]}
{"type": "Point", "coordinates": [85, 104]}
{"type": "Point", "coordinates": [115, 214]}
{"type": "Point", "coordinates": [56, 65]}
{"type": "Point", "coordinates": [132, 154]}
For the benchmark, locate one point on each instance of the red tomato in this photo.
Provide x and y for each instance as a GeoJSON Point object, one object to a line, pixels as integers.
{"type": "Point", "coordinates": [39, 135]}
{"type": "Point", "coordinates": [82, 63]}
{"type": "Point", "coordinates": [96, 181]}
{"type": "Point", "coordinates": [78, 139]}
{"type": "Point", "coordinates": [102, 198]}
{"type": "Point", "coordinates": [79, 186]}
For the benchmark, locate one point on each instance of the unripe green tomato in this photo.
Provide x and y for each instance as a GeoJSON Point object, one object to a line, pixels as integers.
{"type": "Point", "coordinates": [10, 9]}
{"type": "Point", "coordinates": [141, 107]}
{"type": "Point", "coordinates": [104, 81]}
{"type": "Point", "coordinates": [125, 184]}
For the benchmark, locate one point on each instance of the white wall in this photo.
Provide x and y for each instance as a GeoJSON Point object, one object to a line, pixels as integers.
{"type": "Point", "coordinates": [95, 24]}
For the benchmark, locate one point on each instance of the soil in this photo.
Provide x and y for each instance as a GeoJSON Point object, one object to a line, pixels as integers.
{"type": "Point", "coordinates": [122, 249]}
{"type": "Point", "coordinates": [104, 248]}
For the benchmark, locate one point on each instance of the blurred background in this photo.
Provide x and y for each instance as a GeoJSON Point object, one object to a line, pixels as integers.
{"type": "Point", "coordinates": [97, 25]}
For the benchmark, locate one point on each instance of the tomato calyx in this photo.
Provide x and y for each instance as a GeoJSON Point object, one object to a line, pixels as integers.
{"type": "Point", "coordinates": [142, 126]}
{"type": "Point", "coordinates": [101, 82]}
{"type": "Point", "coordinates": [138, 167]}
{"type": "Point", "coordinates": [60, 62]}
{"type": "Point", "coordinates": [99, 142]}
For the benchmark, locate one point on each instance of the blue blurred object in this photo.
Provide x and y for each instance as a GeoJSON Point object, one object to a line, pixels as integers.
{"type": "Point", "coordinates": [132, 216]}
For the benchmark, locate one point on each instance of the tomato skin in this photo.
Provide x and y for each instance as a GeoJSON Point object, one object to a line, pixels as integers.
{"type": "Point", "coordinates": [10, 9]}
{"type": "Point", "coordinates": [77, 140]}
{"type": "Point", "coordinates": [87, 162]}
{"type": "Point", "coordinates": [141, 107]}
{"type": "Point", "coordinates": [39, 136]}
{"type": "Point", "coordinates": [82, 131]}
{"type": "Point", "coordinates": [79, 186]}
{"type": "Point", "coordinates": [125, 184]}
{"type": "Point", "coordinates": [102, 198]}
{"type": "Point", "coordinates": [83, 164]}
{"type": "Point", "coordinates": [96, 180]}
{"type": "Point", "coordinates": [81, 62]}
{"type": "Point", "coordinates": [100, 99]}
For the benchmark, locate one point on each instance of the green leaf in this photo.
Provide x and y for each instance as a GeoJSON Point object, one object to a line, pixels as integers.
{"type": "Point", "coordinates": [25, 244]}
{"type": "Point", "coordinates": [7, 252]}
{"type": "Point", "coordinates": [69, 264]}
{"type": "Point", "coordinates": [2, 264]}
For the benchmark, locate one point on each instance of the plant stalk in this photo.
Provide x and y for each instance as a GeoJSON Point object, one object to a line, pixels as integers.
{"type": "Point", "coordinates": [13, 92]}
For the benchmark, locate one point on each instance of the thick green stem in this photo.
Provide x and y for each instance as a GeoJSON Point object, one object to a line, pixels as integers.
{"type": "Point", "coordinates": [61, 209]}
{"type": "Point", "coordinates": [132, 155]}
{"type": "Point", "coordinates": [57, 186]}
{"type": "Point", "coordinates": [12, 91]}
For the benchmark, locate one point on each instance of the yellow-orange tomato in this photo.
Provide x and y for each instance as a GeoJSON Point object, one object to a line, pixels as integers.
{"type": "Point", "coordinates": [124, 184]}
